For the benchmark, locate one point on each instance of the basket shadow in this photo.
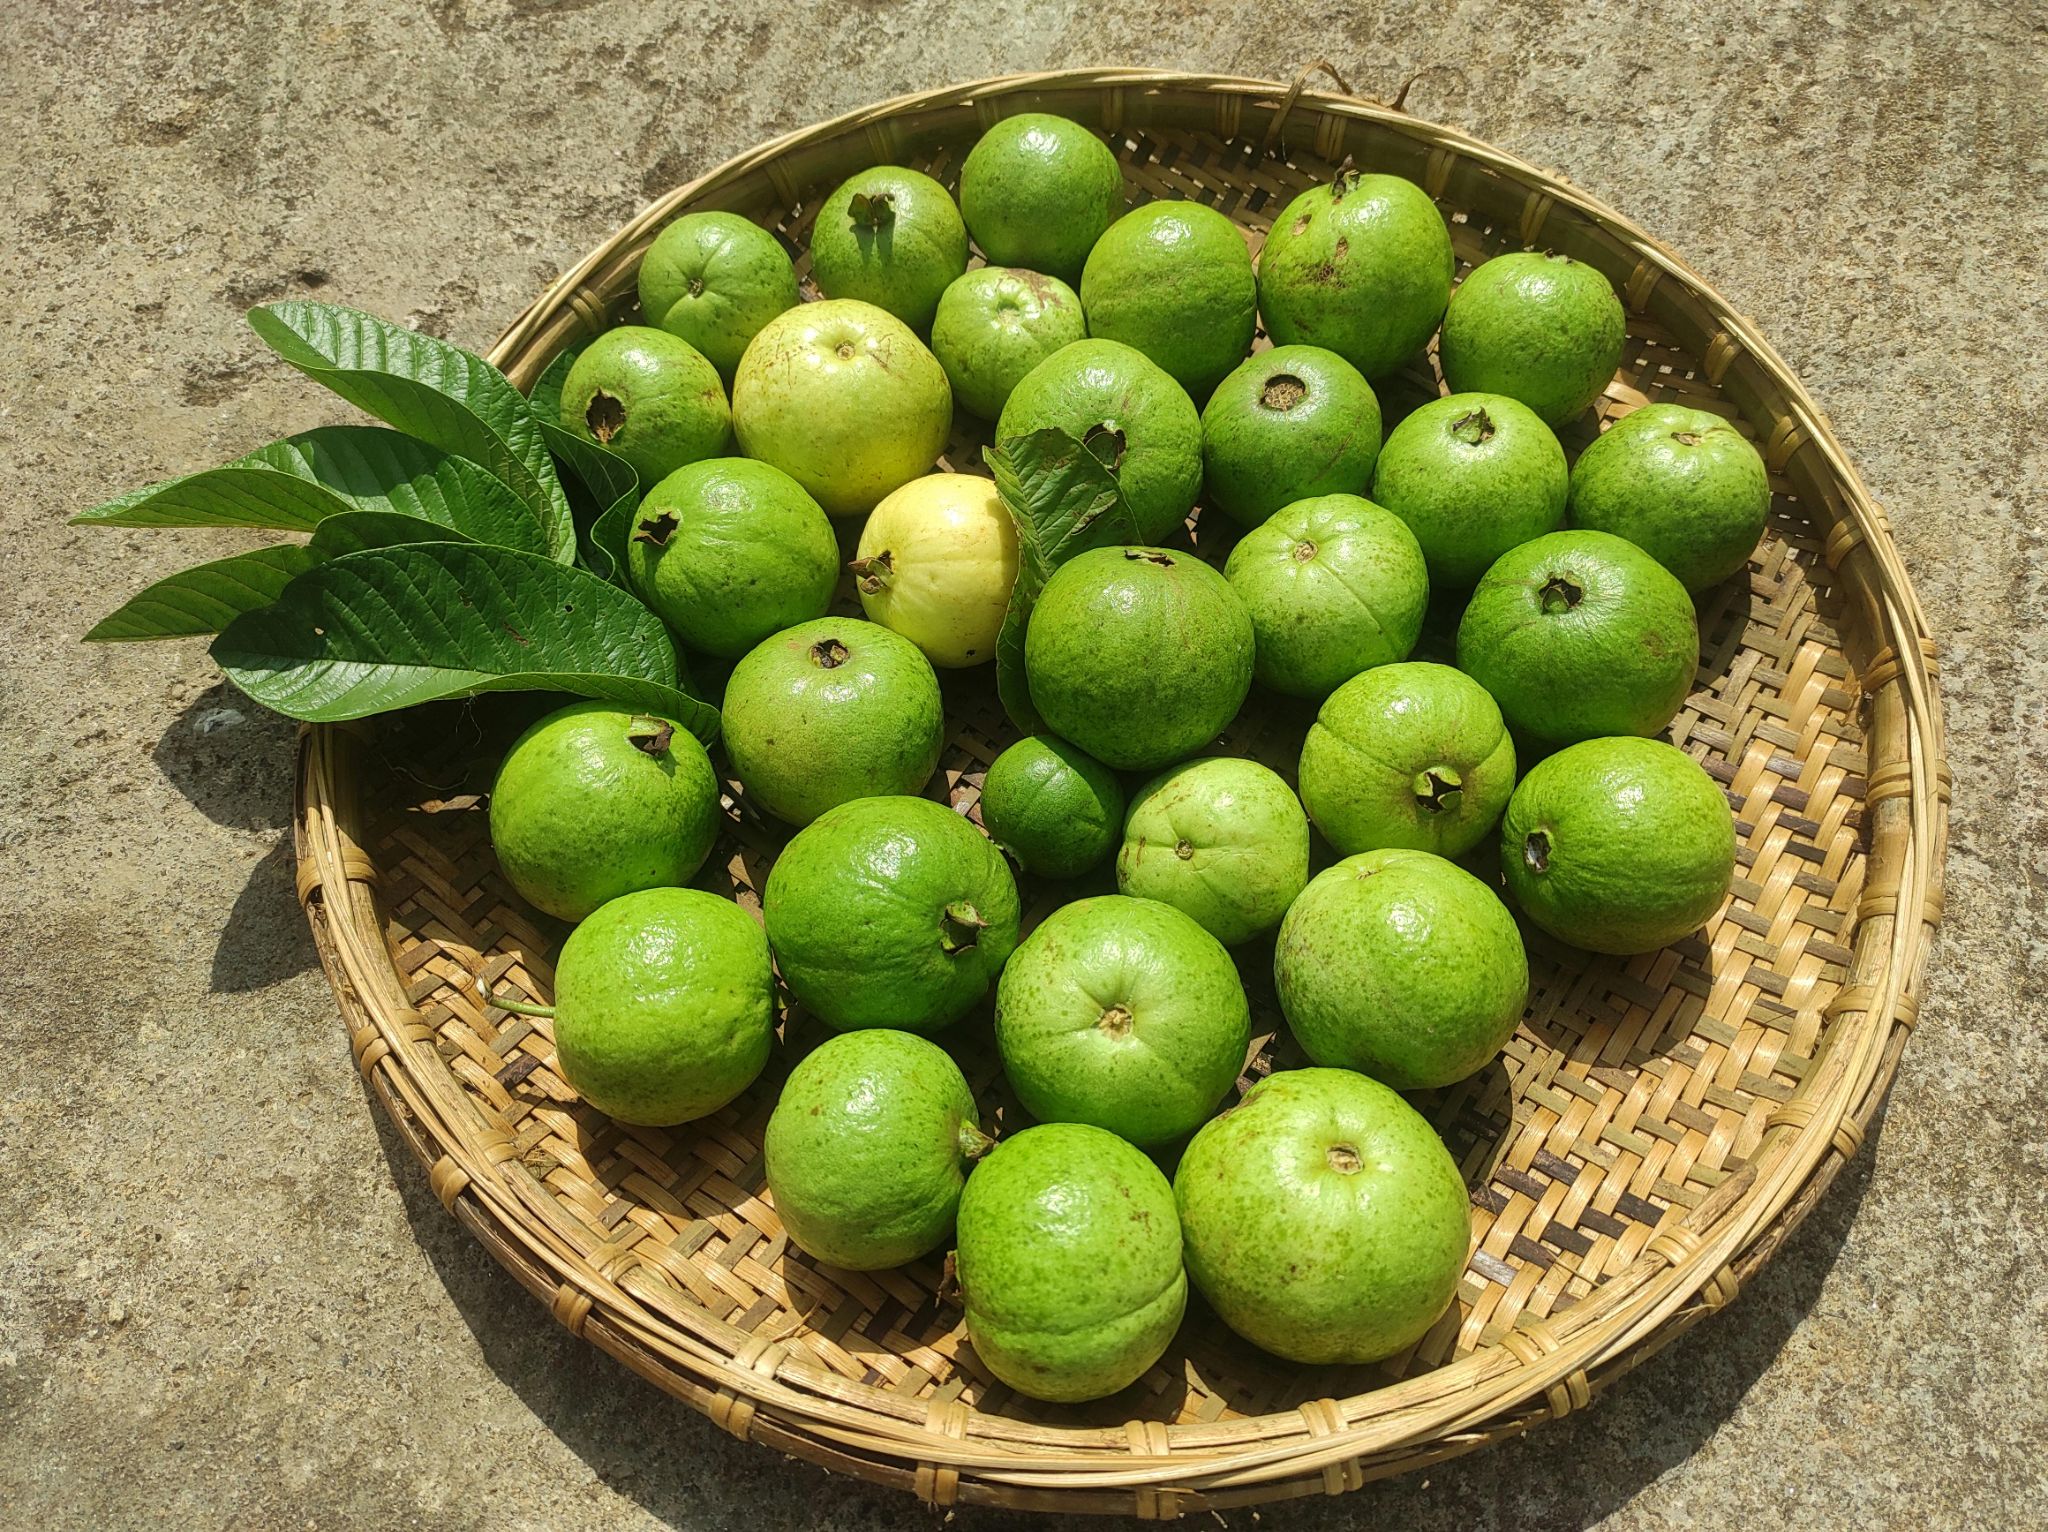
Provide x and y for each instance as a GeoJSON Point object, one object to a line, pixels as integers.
{"type": "Point", "coordinates": [230, 759]}
{"type": "Point", "coordinates": [265, 940]}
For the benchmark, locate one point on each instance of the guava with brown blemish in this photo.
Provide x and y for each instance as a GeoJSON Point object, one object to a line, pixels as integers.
{"type": "Point", "coordinates": [1537, 326]}
{"type": "Point", "coordinates": [891, 237]}
{"type": "Point", "coordinates": [994, 325]}
{"type": "Point", "coordinates": [1473, 475]}
{"type": "Point", "coordinates": [1683, 485]}
{"type": "Point", "coordinates": [1222, 840]}
{"type": "Point", "coordinates": [649, 396]}
{"type": "Point", "coordinates": [1288, 424]}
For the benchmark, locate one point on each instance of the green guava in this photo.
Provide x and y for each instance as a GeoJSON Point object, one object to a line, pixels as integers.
{"type": "Point", "coordinates": [650, 397]}
{"type": "Point", "coordinates": [1541, 328]}
{"type": "Point", "coordinates": [714, 279]}
{"type": "Point", "coordinates": [1174, 280]}
{"type": "Point", "coordinates": [1069, 1261]}
{"type": "Point", "coordinates": [1222, 840]}
{"type": "Point", "coordinates": [1324, 1219]}
{"type": "Point", "coordinates": [936, 562]}
{"type": "Point", "coordinates": [891, 237]}
{"type": "Point", "coordinates": [1132, 416]}
{"type": "Point", "coordinates": [729, 551]}
{"type": "Point", "coordinates": [1412, 755]}
{"type": "Point", "coordinates": [890, 912]}
{"type": "Point", "coordinates": [844, 399]}
{"type": "Point", "coordinates": [1580, 634]}
{"type": "Point", "coordinates": [1037, 191]}
{"type": "Point", "coordinates": [1473, 475]}
{"type": "Point", "coordinates": [1683, 485]}
{"type": "Point", "coordinates": [1618, 845]}
{"type": "Point", "coordinates": [1334, 585]}
{"type": "Point", "coordinates": [994, 325]}
{"type": "Point", "coordinates": [869, 1147]}
{"type": "Point", "coordinates": [1123, 1013]}
{"type": "Point", "coordinates": [664, 1006]}
{"type": "Point", "coordinates": [1362, 266]}
{"type": "Point", "coordinates": [594, 801]}
{"type": "Point", "coordinates": [829, 711]}
{"type": "Point", "coordinates": [1138, 655]}
{"type": "Point", "coordinates": [1052, 806]}
{"type": "Point", "coordinates": [1402, 966]}
{"type": "Point", "coordinates": [1288, 424]}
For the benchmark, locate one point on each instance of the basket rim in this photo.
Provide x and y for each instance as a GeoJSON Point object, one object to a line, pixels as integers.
{"type": "Point", "coordinates": [1542, 1368]}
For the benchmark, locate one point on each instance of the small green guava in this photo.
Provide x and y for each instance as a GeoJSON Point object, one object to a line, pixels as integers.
{"type": "Point", "coordinates": [1473, 475]}
{"type": "Point", "coordinates": [994, 325]}
{"type": "Point", "coordinates": [936, 562]}
{"type": "Point", "coordinates": [1173, 279]}
{"type": "Point", "coordinates": [1683, 485]}
{"type": "Point", "coordinates": [1288, 424]}
{"type": "Point", "coordinates": [1069, 1262]}
{"type": "Point", "coordinates": [715, 279]}
{"type": "Point", "coordinates": [1541, 328]}
{"type": "Point", "coordinates": [1052, 806]}
{"type": "Point", "coordinates": [649, 396]}
{"type": "Point", "coordinates": [891, 237]}
{"type": "Point", "coordinates": [595, 800]}
{"type": "Point", "coordinates": [664, 1006]}
{"type": "Point", "coordinates": [1222, 840]}
{"type": "Point", "coordinates": [1037, 191]}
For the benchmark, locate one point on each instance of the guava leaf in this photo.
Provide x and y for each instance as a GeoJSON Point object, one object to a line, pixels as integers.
{"type": "Point", "coordinates": [206, 597]}
{"type": "Point", "coordinates": [429, 389]}
{"type": "Point", "coordinates": [604, 493]}
{"type": "Point", "coordinates": [240, 494]}
{"type": "Point", "coordinates": [355, 531]}
{"type": "Point", "coordinates": [391, 627]}
{"type": "Point", "coordinates": [1065, 501]}
{"type": "Point", "coordinates": [545, 397]}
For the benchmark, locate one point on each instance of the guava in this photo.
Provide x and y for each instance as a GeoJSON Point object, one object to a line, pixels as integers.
{"type": "Point", "coordinates": [869, 1147]}
{"type": "Point", "coordinates": [1069, 1262]}
{"type": "Point", "coordinates": [729, 551]}
{"type": "Point", "coordinates": [1580, 634]}
{"type": "Point", "coordinates": [1173, 279]}
{"type": "Point", "coordinates": [1123, 1013]}
{"type": "Point", "coordinates": [844, 399]}
{"type": "Point", "coordinates": [1037, 191]}
{"type": "Point", "coordinates": [936, 562]}
{"type": "Point", "coordinates": [1138, 655]}
{"type": "Point", "coordinates": [1618, 845]}
{"type": "Point", "coordinates": [1052, 806]}
{"type": "Point", "coordinates": [664, 1006]}
{"type": "Point", "coordinates": [1473, 475]}
{"type": "Point", "coordinates": [1132, 415]}
{"type": "Point", "coordinates": [1541, 328]}
{"type": "Point", "coordinates": [595, 800]}
{"type": "Point", "coordinates": [1412, 755]}
{"type": "Point", "coordinates": [829, 711]}
{"type": "Point", "coordinates": [648, 396]}
{"type": "Point", "coordinates": [891, 237]}
{"type": "Point", "coordinates": [1334, 585]}
{"type": "Point", "coordinates": [1402, 966]}
{"type": "Point", "coordinates": [994, 325]}
{"type": "Point", "coordinates": [1362, 266]}
{"type": "Point", "coordinates": [1223, 841]}
{"type": "Point", "coordinates": [1683, 485]}
{"type": "Point", "coordinates": [1288, 424]}
{"type": "Point", "coordinates": [714, 279]}
{"type": "Point", "coordinates": [1323, 1218]}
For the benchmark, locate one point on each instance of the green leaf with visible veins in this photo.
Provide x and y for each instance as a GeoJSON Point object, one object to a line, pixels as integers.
{"type": "Point", "coordinates": [206, 597]}
{"type": "Point", "coordinates": [604, 510]}
{"type": "Point", "coordinates": [545, 396]}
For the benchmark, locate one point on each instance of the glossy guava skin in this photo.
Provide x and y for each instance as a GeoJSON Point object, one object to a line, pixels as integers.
{"type": "Point", "coordinates": [869, 1147]}
{"type": "Point", "coordinates": [650, 397]}
{"type": "Point", "coordinates": [1222, 840]}
{"type": "Point", "coordinates": [1323, 1218]}
{"type": "Point", "coordinates": [1069, 1261]}
{"type": "Point", "coordinates": [664, 1006]}
{"type": "Point", "coordinates": [729, 551]}
{"type": "Point", "coordinates": [829, 711]}
{"type": "Point", "coordinates": [714, 279]}
{"type": "Point", "coordinates": [1052, 806]}
{"type": "Point", "coordinates": [1473, 475]}
{"type": "Point", "coordinates": [1618, 845]}
{"type": "Point", "coordinates": [1093, 387]}
{"type": "Point", "coordinates": [1289, 424]}
{"type": "Point", "coordinates": [1402, 966]}
{"type": "Point", "coordinates": [843, 398]}
{"type": "Point", "coordinates": [1539, 327]}
{"type": "Point", "coordinates": [1683, 485]}
{"type": "Point", "coordinates": [1123, 1013]}
{"type": "Point", "coordinates": [936, 562]}
{"type": "Point", "coordinates": [1578, 635]}
{"type": "Point", "coordinates": [1414, 755]}
{"type": "Point", "coordinates": [890, 912]}
{"type": "Point", "coordinates": [1174, 280]}
{"type": "Point", "coordinates": [1362, 267]}
{"type": "Point", "coordinates": [580, 814]}
{"type": "Point", "coordinates": [1037, 191]}
{"type": "Point", "coordinates": [903, 262]}
{"type": "Point", "coordinates": [1138, 655]}
{"type": "Point", "coordinates": [994, 325]}
{"type": "Point", "coordinates": [1334, 585]}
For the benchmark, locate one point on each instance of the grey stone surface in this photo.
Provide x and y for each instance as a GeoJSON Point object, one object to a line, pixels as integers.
{"type": "Point", "coordinates": [226, 1297]}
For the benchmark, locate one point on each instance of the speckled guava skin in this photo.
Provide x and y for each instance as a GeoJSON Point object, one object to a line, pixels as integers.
{"type": "Point", "coordinates": [1174, 280]}
{"type": "Point", "coordinates": [1222, 840]}
{"type": "Point", "coordinates": [649, 396]}
{"type": "Point", "coordinates": [891, 237]}
{"type": "Point", "coordinates": [1288, 424]}
{"type": "Point", "coordinates": [714, 279]}
{"type": "Point", "coordinates": [1052, 806]}
{"type": "Point", "coordinates": [1037, 191]}
{"type": "Point", "coordinates": [994, 325]}
{"type": "Point", "coordinates": [1683, 485]}
{"type": "Point", "coordinates": [1536, 326]}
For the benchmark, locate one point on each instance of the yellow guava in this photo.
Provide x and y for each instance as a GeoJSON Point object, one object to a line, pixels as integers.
{"type": "Point", "coordinates": [936, 563]}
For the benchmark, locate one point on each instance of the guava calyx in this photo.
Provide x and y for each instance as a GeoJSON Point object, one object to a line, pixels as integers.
{"type": "Point", "coordinates": [828, 654]}
{"type": "Point", "coordinates": [1344, 1159]}
{"type": "Point", "coordinates": [1345, 181]}
{"type": "Point", "coordinates": [948, 1293]}
{"type": "Point", "coordinates": [1283, 391]}
{"type": "Point", "coordinates": [648, 735]}
{"type": "Point", "coordinates": [1106, 442]}
{"type": "Point", "coordinates": [1686, 438]}
{"type": "Point", "coordinates": [1149, 556]}
{"type": "Point", "coordinates": [605, 415]}
{"type": "Point", "coordinates": [1304, 551]}
{"type": "Point", "coordinates": [960, 926]}
{"type": "Point", "coordinates": [1473, 427]}
{"type": "Point", "coordinates": [873, 573]}
{"type": "Point", "coordinates": [1560, 593]}
{"type": "Point", "coordinates": [656, 530]}
{"type": "Point", "coordinates": [1116, 1021]}
{"type": "Point", "coordinates": [875, 211]}
{"type": "Point", "coordinates": [1439, 789]}
{"type": "Point", "coordinates": [696, 287]}
{"type": "Point", "coordinates": [1536, 852]}
{"type": "Point", "coordinates": [973, 1145]}
{"type": "Point", "coordinates": [1185, 850]}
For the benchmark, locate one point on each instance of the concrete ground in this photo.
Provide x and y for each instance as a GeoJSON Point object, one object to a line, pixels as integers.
{"type": "Point", "coordinates": [228, 1300]}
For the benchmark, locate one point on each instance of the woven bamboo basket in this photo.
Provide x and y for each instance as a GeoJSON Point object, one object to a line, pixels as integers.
{"type": "Point", "coordinates": [1648, 1139]}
